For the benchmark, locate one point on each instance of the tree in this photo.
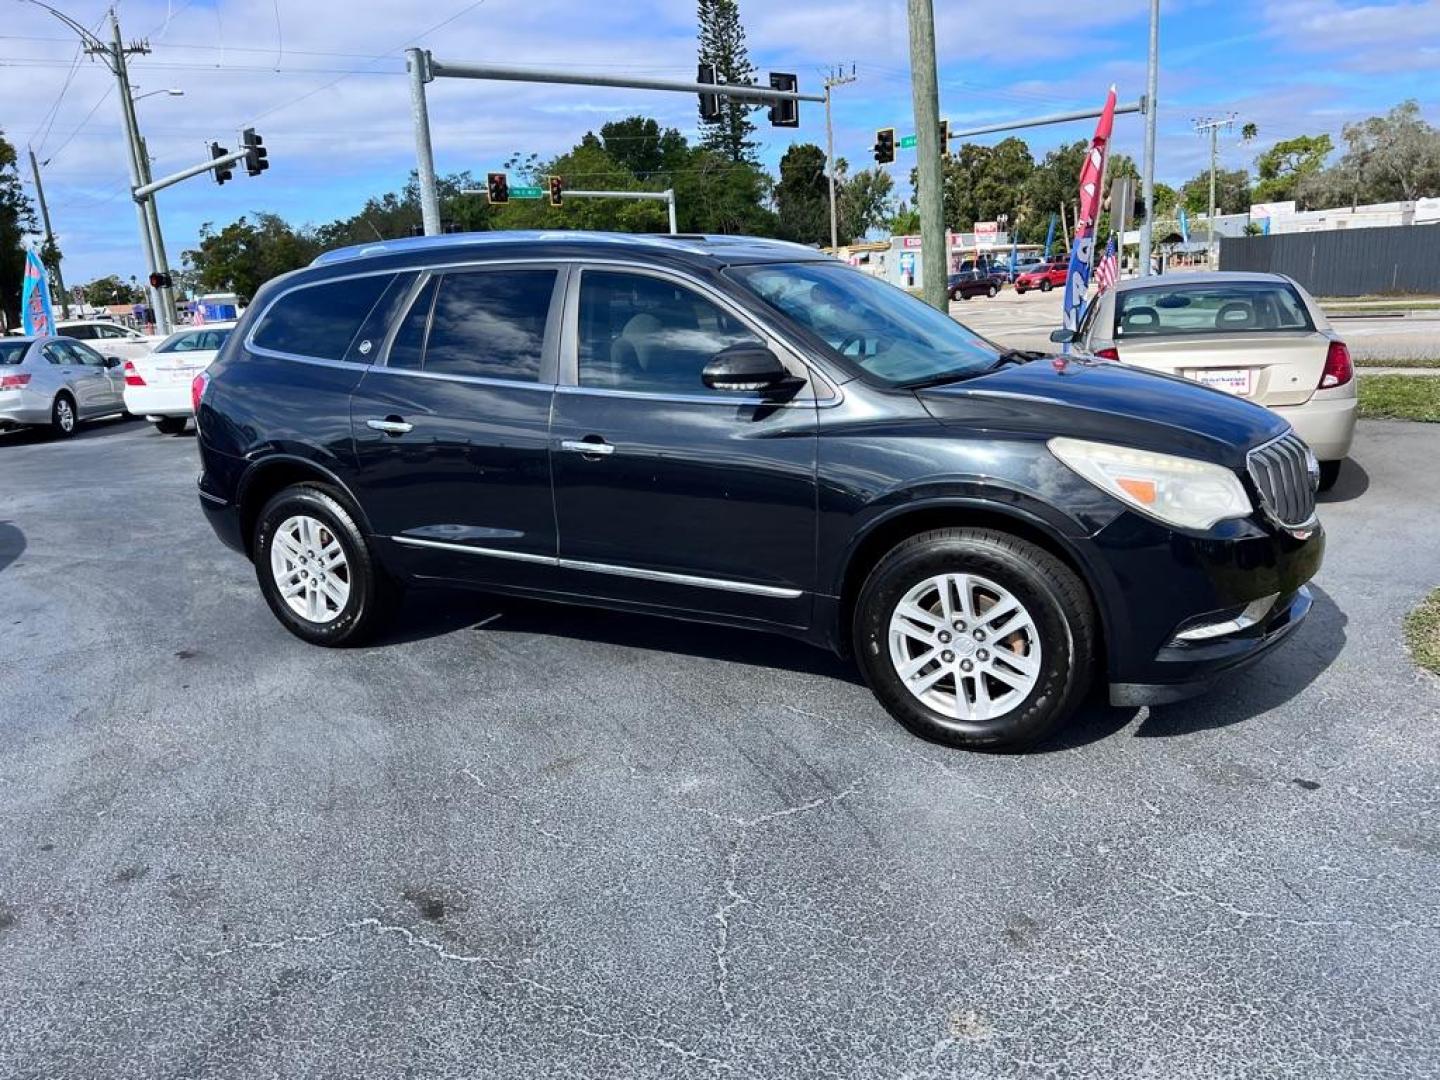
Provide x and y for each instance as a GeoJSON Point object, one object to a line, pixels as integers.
{"type": "Point", "coordinates": [241, 257]}
{"type": "Point", "coordinates": [1232, 192]}
{"type": "Point", "coordinates": [864, 201]}
{"type": "Point", "coordinates": [639, 145]}
{"type": "Point", "coordinates": [111, 289]}
{"type": "Point", "coordinates": [802, 197]}
{"type": "Point", "coordinates": [722, 43]}
{"type": "Point", "coordinates": [17, 218]}
{"type": "Point", "coordinates": [1284, 167]}
{"type": "Point", "coordinates": [1054, 183]}
{"type": "Point", "coordinates": [1393, 157]}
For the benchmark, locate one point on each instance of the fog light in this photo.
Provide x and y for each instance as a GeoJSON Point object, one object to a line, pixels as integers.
{"type": "Point", "coordinates": [1253, 613]}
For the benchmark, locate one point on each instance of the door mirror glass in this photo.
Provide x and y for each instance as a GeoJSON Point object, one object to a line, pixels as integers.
{"type": "Point", "coordinates": [752, 368]}
{"type": "Point", "coordinates": [1063, 336]}
{"type": "Point", "coordinates": [113, 361]}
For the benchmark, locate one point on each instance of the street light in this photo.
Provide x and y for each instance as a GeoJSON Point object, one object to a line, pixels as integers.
{"type": "Point", "coordinates": [171, 90]}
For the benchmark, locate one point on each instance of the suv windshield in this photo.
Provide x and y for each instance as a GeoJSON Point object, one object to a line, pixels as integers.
{"type": "Point", "coordinates": [1243, 307]}
{"type": "Point", "coordinates": [868, 324]}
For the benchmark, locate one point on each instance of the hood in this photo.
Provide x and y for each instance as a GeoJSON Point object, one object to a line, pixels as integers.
{"type": "Point", "coordinates": [1108, 402]}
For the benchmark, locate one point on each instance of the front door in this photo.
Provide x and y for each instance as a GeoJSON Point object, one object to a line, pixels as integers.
{"type": "Point", "coordinates": [85, 376]}
{"type": "Point", "coordinates": [451, 427]}
{"type": "Point", "coordinates": [667, 493]}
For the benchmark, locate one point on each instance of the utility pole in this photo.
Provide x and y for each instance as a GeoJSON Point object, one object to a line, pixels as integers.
{"type": "Point", "coordinates": [1147, 180]}
{"type": "Point", "coordinates": [835, 78]}
{"type": "Point", "coordinates": [1212, 126]}
{"type": "Point", "coordinates": [49, 236]}
{"type": "Point", "coordinates": [417, 63]}
{"type": "Point", "coordinates": [162, 265]}
{"type": "Point", "coordinates": [930, 193]}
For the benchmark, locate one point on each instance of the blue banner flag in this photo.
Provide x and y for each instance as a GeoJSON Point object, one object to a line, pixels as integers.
{"type": "Point", "coordinates": [1184, 226]}
{"type": "Point", "coordinates": [36, 316]}
{"type": "Point", "coordinates": [1014, 254]}
{"type": "Point", "coordinates": [1049, 236]}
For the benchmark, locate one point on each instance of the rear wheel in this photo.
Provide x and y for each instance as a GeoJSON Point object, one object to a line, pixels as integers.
{"type": "Point", "coordinates": [315, 569]}
{"type": "Point", "coordinates": [975, 638]}
{"type": "Point", "coordinates": [1045, 286]}
{"type": "Point", "coordinates": [62, 416]}
{"type": "Point", "coordinates": [993, 292]}
{"type": "Point", "coordinates": [170, 425]}
{"type": "Point", "coordinates": [1329, 473]}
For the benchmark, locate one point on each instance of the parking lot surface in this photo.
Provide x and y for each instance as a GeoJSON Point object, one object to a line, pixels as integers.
{"type": "Point", "coordinates": [514, 840]}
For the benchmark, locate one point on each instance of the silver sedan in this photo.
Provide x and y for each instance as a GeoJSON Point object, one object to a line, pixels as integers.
{"type": "Point", "coordinates": [56, 382]}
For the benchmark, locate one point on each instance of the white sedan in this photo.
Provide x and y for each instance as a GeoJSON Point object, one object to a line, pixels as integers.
{"type": "Point", "coordinates": [157, 386]}
{"type": "Point", "coordinates": [108, 338]}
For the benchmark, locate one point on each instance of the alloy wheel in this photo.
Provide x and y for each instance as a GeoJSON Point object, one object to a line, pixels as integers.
{"type": "Point", "coordinates": [310, 569]}
{"type": "Point", "coordinates": [65, 415]}
{"type": "Point", "coordinates": [965, 647]}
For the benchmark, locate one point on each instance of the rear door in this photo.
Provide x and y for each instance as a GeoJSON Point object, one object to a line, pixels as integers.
{"type": "Point", "coordinates": [84, 378]}
{"type": "Point", "coordinates": [451, 429]}
{"type": "Point", "coordinates": [1254, 339]}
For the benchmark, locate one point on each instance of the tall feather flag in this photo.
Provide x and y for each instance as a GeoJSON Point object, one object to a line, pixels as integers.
{"type": "Point", "coordinates": [1091, 177]}
{"type": "Point", "coordinates": [36, 316]}
{"type": "Point", "coordinates": [1049, 236]}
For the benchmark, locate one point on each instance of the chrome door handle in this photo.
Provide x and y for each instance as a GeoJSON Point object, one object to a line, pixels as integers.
{"type": "Point", "coordinates": [390, 427]}
{"type": "Point", "coordinates": [589, 449]}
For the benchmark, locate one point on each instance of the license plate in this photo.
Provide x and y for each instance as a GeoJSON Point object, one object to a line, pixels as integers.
{"type": "Point", "coordinates": [1231, 380]}
{"type": "Point", "coordinates": [181, 374]}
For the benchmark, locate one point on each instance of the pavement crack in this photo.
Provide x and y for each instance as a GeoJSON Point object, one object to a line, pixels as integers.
{"type": "Point", "coordinates": [1247, 914]}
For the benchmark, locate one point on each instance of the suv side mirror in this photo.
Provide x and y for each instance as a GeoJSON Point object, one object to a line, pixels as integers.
{"type": "Point", "coordinates": [750, 367]}
{"type": "Point", "coordinates": [1063, 336]}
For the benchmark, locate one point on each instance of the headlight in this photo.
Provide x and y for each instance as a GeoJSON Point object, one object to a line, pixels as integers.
{"type": "Point", "coordinates": [1177, 490]}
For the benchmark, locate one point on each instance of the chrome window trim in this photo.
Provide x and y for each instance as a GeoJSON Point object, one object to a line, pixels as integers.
{"type": "Point", "coordinates": [260, 350]}
{"type": "Point", "coordinates": [663, 576]}
{"type": "Point", "coordinates": [736, 398]}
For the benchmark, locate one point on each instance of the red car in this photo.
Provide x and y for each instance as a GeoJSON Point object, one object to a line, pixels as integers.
{"type": "Point", "coordinates": [1044, 277]}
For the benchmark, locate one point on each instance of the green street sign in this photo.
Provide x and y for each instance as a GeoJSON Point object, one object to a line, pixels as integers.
{"type": "Point", "coordinates": [907, 142]}
{"type": "Point", "coordinates": [525, 193]}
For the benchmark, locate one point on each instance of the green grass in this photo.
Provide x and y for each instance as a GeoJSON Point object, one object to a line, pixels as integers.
{"type": "Point", "coordinates": [1400, 397]}
{"type": "Point", "coordinates": [1399, 361]}
{"type": "Point", "coordinates": [1349, 306]}
{"type": "Point", "coordinates": [1422, 633]}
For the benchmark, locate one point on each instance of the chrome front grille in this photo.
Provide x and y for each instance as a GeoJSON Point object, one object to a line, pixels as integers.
{"type": "Point", "coordinates": [1281, 470]}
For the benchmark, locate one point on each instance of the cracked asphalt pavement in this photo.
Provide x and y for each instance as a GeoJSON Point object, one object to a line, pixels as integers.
{"type": "Point", "coordinates": [514, 840]}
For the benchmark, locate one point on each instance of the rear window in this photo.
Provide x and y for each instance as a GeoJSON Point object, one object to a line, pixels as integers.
{"type": "Point", "coordinates": [12, 352]}
{"type": "Point", "coordinates": [1226, 308]}
{"type": "Point", "coordinates": [320, 321]}
{"type": "Point", "coordinates": [195, 341]}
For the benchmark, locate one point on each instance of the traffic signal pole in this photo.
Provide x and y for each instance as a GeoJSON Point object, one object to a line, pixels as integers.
{"type": "Point", "coordinates": [424, 68]}
{"type": "Point", "coordinates": [146, 190]}
{"type": "Point", "coordinates": [667, 197]}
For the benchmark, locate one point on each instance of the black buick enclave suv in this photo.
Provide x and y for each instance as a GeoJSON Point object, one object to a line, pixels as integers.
{"type": "Point", "coordinates": [747, 432]}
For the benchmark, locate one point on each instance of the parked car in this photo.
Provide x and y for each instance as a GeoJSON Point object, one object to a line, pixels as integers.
{"type": "Point", "coordinates": [1258, 336]}
{"type": "Point", "coordinates": [747, 432]}
{"type": "Point", "coordinates": [56, 382]}
{"type": "Point", "coordinates": [1048, 275]}
{"type": "Point", "coordinates": [157, 386]}
{"type": "Point", "coordinates": [968, 283]}
{"type": "Point", "coordinates": [109, 337]}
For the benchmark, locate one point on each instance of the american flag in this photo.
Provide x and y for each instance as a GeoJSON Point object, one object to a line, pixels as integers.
{"type": "Point", "coordinates": [1109, 268]}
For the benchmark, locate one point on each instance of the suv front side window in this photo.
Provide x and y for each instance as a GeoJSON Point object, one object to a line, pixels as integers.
{"type": "Point", "coordinates": [649, 335]}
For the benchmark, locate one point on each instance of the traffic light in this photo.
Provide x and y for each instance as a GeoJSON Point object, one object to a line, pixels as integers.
{"type": "Point", "coordinates": [709, 103]}
{"type": "Point", "coordinates": [224, 172]}
{"type": "Point", "coordinates": [884, 146]}
{"type": "Point", "coordinates": [784, 113]}
{"type": "Point", "coordinates": [255, 152]}
{"type": "Point", "coordinates": [944, 139]}
{"type": "Point", "coordinates": [497, 187]}
{"type": "Point", "coordinates": [557, 190]}
{"type": "Point", "coordinates": [161, 281]}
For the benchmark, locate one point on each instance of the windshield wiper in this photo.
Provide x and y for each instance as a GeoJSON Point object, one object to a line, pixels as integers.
{"type": "Point", "coordinates": [1015, 356]}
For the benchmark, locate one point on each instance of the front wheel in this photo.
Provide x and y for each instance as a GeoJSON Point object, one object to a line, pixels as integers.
{"type": "Point", "coordinates": [975, 638]}
{"type": "Point", "coordinates": [315, 569]}
{"type": "Point", "coordinates": [170, 425]}
{"type": "Point", "coordinates": [1045, 286]}
{"type": "Point", "coordinates": [1329, 474]}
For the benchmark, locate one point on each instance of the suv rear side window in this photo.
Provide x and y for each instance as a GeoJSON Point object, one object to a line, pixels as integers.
{"type": "Point", "coordinates": [1243, 307]}
{"type": "Point", "coordinates": [320, 321]}
{"type": "Point", "coordinates": [490, 324]}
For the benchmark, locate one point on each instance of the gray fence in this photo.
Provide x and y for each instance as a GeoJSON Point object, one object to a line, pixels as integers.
{"type": "Point", "coordinates": [1345, 262]}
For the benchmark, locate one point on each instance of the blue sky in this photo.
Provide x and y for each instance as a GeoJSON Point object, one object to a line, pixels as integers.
{"type": "Point", "coordinates": [323, 82]}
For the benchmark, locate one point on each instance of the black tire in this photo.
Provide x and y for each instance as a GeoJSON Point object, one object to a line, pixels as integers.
{"type": "Point", "coordinates": [1052, 595]}
{"type": "Point", "coordinates": [371, 593]}
{"type": "Point", "coordinates": [170, 425]}
{"type": "Point", "coordinates": [63, 418]}
{"type": "Point", "coordinates": [1329, 473]}
{"type": "Point", "coordinates": [1045, 285]}
{"type": "Point", "coordinates": [965, 296]}
{"type": "Point", "coordinates": [1020, 290]}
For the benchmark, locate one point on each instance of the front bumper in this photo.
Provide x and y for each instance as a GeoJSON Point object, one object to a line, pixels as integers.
{"type": "Point", "coordinates": [1152, 583]}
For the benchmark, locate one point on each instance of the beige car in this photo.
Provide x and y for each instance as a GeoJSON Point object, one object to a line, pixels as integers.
{"type": "Point", "coordinates": [1258, 336]}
